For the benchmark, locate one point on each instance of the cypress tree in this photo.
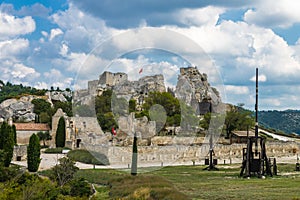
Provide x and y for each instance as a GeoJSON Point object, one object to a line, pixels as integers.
{"type": "Point", "coordinates": [60, 137]}
{"type": "Point", "coordinates": [33, 153]}
{"type": "Point", "coordinates": [14, 130]}
{"type": "Point", "coordinates": [7, 143]}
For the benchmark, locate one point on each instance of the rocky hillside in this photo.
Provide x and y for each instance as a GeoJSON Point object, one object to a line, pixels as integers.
{"type": "Point", "coordinates": [287, 121]}
{"type": "Point", "coordinates": [16, 101]}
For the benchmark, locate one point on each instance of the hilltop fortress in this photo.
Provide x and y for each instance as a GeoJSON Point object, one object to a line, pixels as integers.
{"type": "Point", "coordinates": [192, 88]}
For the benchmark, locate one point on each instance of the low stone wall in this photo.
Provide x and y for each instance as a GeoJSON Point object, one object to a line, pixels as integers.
{"type": "Point", "coordinates": [155, 154]}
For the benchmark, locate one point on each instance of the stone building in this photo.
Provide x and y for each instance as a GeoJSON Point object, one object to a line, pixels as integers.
{"type": "Point", "coordinates": [78, 130]}
{"type": "Point", "coordinates": [25, 130]}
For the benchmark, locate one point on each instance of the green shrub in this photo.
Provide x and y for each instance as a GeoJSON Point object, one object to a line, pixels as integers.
{"type": "Point", "coordinates": [80, 187]}
{"type": "Point", "coordinates": [8, 173]}
{"type": "Point", "coordinates": [87, 157]}
{"type": "Point", "coordinates": [56, 150]}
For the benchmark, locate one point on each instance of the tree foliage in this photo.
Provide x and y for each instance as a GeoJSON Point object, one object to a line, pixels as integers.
{"type": "Point", "coordinates": [80, 188]}
{"type": "Point", "coordinates": [63, 172]}
{"type": "Point", "coordinates": [168, 102]}
{"type": "Point", "coordinates": [65, 106]}
{"type": "Point", "coordinates": [104, 112]}
{"type": "Point", "coordinates": [236, 119]}
{"type": "Point", "coordinates": [41, 105]}
{"type": "Point", "coordinates": [44, 136]}
{"type": "Point", "coordinates": [9, 91]}
{"type": "Point", "coordinates": [60, 137]}
{"type": "Point", "coordinates": [33, 153]}
{"type": "Point", "coordinates": [132, 105]}
{"type": "Point", "coordinates": [7, 142]}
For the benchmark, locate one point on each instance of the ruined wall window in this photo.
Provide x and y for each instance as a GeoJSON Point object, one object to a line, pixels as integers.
{"type": "Point", "coordinates": [84, 124]}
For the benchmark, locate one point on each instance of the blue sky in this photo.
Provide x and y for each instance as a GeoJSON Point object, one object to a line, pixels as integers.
{"type": "Point", "coordinates": [46, 43]}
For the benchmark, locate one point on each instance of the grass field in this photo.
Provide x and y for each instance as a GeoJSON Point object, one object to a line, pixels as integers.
{"type": "Point", "coordinates": [192, 182]}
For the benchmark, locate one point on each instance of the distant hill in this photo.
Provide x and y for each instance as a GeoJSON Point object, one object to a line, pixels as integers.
{"type": "Point", "coordinates": [9, 90]}
{"type": "Point", "coordinates": [287, 121]}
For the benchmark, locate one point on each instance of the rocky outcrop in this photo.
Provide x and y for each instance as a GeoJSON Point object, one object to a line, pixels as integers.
{"type": "Point", "coordinates": [58, 96]}
{"type": "Point", "coordinates": [194, 90]}
{"type": "Point", "coordinates": [17, 109]}
{"type": "Point", "coordinates": [21, 109]}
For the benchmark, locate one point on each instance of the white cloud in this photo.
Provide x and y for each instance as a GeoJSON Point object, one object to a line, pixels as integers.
{"type": "Point", "coordinates": [270, 13]}
{"type": "Point", "coordinates": [261, 78]}
{"type": "Point", "coordinates": [11, 26]}
{"type": "Point", "coordinates": [44, 33]}
{"type": "Point", "coordinates": [18, 73]}
{"type": "Point", "coordinates": [199, 17]}
{"type": "Point", "coordinates": [12, 48]}
{"type": "Point", "coordinates": [55, 32]}
{"type": "Point", "coordinates": [64, 50]}
{"type": "Point", "coordinates": [55, 78]}
{"type": "Point", "coordinates": [82, 31]}
{"type": "Point", "coordinates": [21, 71]}
{"type": "Point", "coordinates": [239, 90]}
{"type": "Point", "coordinates": [133, 66]}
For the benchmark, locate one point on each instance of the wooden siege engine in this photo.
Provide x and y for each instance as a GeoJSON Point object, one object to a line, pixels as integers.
{"type": "Point", "coordinates": [255, 160]}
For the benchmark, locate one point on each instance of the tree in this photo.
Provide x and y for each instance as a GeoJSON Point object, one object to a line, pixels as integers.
{"type": "Point", "coordinates": [107, 121]}
{"type": "Point", "coordinates": [103, 109]}
{"type": "Point", "coordinates": [14, 131]}
{"type": "Point", "coordinates": [7, 142]}
{"type": "Point", "coordinates": [65, 106]}
{"type": "Point", "coordinates": [41, 105]}
{"type": "Point", "coordinates": [63, 172]}
{"type": "Point", "coordinates": [132, 105]}
{"type": "Point", "coordinates": [170, 104]}
{"type": "Point", "coordinates": [81, 188]}
{"type": "Point", "coordinates": [44, 136]}
{"type": "Point", "coordinates": [33, 153]}
{"type": "Point", "coordinates": [60, 137]}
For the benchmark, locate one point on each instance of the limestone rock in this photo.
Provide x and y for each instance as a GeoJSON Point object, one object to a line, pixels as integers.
{"type": "Point", "coordinates": [19, 110]}
{"type": "Point", "coordinates": [8, 102]}
{"type": "Point", "coordinates": [56, 96]}
{"type": "Point", "coordinates": [193, 89]}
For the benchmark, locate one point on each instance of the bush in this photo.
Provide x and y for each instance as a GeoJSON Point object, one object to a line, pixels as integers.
{"type": "Point", "coordinates": [81, 188]}
{"type": "Point", "coordinates": [87, 157]}
{"type": "Point", "coordinates": [8, 173]}
{"type": "Point", "coordinates": [56, 150]}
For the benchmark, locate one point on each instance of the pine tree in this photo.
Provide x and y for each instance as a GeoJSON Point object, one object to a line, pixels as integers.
{"type": "Point", "coordinates": [60, 137]}
{"type": "Point", "coordinates": [33, 153]}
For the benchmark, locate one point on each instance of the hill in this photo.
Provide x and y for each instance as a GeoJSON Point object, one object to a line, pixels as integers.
{"type": "Point", "coordinates": [287, 121]}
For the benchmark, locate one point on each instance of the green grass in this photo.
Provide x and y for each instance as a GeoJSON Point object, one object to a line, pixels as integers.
{"type": "Point", "coordinates": [192, 182]}
{"type": "Point", "coordinates": [88, 157]}
{"type": "Point", "coordinates": [56, 150]}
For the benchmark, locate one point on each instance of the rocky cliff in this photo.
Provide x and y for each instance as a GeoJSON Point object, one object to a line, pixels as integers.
{"type": "Point", "coordinates": [21, 109]}
{"type": "Point", "coordinates": [194, 90]}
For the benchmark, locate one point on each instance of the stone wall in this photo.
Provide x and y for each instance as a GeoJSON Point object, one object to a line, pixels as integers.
{"type": "Point", "coordinates": [183, 153]}
{"type": "Point", "coordinates": [141, 126]}
{"type": "Point", "coordinates": [111, 79]}
{"type": "Point", "coordinates": [20, 150]}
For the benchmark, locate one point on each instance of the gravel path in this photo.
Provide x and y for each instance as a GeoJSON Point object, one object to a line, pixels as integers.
{"type": "Point", "coordinates": [50, 160]}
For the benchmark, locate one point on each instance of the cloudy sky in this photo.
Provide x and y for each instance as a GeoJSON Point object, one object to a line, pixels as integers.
{"type": "Point", "coordinates": [48, 43]}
